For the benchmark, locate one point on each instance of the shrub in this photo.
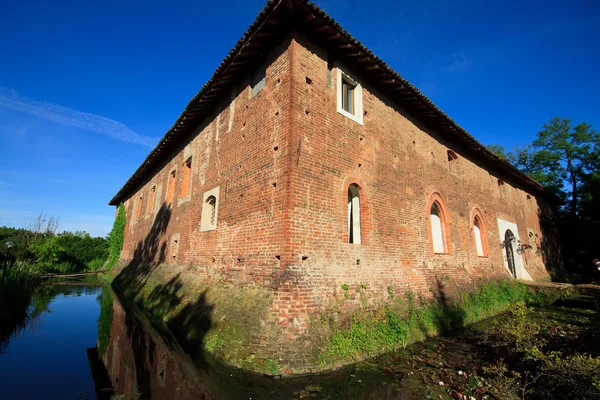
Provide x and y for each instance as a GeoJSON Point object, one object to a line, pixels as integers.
{"type": "Point", "coordinates": [95, 265]}
{"type": "Point", "coordinates": [116, 238]}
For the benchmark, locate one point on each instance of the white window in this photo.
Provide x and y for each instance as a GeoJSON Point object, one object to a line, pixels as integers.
{"type": "Point", "coordinates": [210, 210]}
{"type": "Point", "coordinates": [437, 233]}
{"type": "Point", "coordinates": [349, 97]}
{"type": "Point", "coordinates": [353, 214]}
{"type": "Point", "coordinates": [478, 237]}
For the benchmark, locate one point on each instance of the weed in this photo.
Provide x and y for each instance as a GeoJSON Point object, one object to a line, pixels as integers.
{"type": "Point", "coordinates": [212, 342]}
{"type": "Point", "coordinates": [271, 366]}
{"type": "Point", "coordinates": [345, 288]}
{"type": "Point", "coordinates": [373, 332]}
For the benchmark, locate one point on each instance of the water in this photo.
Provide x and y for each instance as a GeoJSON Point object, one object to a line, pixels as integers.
{"type": "Point", "coordinates": [51, 358]}
{"type": "Point", "coordinates": [47, 359]}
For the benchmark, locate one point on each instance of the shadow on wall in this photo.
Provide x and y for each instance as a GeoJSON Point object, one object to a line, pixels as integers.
{"type": "Point", "coordinates": [189, 319]}
{"type": "Point", "coordinates": [550, 243]}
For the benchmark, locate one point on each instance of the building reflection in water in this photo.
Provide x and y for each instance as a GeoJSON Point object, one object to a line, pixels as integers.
{"type": "Point", "coordinates": [144, 362]}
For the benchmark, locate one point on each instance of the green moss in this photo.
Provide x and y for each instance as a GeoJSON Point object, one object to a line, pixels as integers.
{"type": "Point", "coordinates": [224, 320]}
{"type": "Point", "coordinates": [404, 321]}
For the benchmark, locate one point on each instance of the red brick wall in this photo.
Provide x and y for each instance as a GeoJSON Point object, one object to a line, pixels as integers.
{"type": "Point", "coordinates": [284, 160]}
{"type": "Point", "coordinates": [243, 150]}
{"type": "Point", "coordinates": [398, 164]}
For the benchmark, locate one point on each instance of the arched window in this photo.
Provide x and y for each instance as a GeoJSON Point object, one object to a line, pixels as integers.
{"type": "Point", "coordinates": [210, 209]}
{"type": "Point", "coordinates": [478, 232]}
{"type": "Point", "coordinates": [436, 219]}
{"type": "Point", "coordinates": [353, 214]}
{"type": "Point", "coordinates": [211, 203]}
{"type": "Point", "coordinates": [438, 224]}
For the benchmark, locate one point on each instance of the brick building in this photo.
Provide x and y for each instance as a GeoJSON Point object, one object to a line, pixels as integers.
{"type": "Point", "coordinates": [306, 163]}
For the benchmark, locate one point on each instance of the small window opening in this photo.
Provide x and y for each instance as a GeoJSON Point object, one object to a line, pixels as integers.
{"type": "Point", "coordinates": [348, 88]}
{"type": "Point", "coordinates": [210, 210]}
{"type": "Point", "coordinates": [452, 155]}
{"type": "Point", "coordinates": [353, 214]}
{"type": "Point", "coordinates": [170, 188]}
{"type": "Point", "coordinates": [478, 232]}
{"type": "Point", "coordinates": [185, 179]}
{"type": "Point", "coordinates": [151, 199]}
{"type": "Point", "coordinates": [436, 219]}
{"type": "Point", "coordinates": [211, 202]}
{"type": "Point", "coordinates": [138, 211]}
{"type": "Point", "coordinates": [258, 82]}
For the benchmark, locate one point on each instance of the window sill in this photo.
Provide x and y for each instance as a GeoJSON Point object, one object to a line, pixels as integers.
{"type": "Point", "coordinates": [356, 118]}
{"type": "Point", "coordinates": [184, 200]}
{"type": "Point", "coordinates": [212, 228]}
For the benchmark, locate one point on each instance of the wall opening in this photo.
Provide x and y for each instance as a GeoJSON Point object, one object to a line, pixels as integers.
{"type": "Point", "coordinates": [353, 214]}
{"type": "Point", "coordinates": [210, 208]}
{"type": "Point", "coordinates": [510, 243]}
{"type": "Point", "coordinates": [436, 219]}
{"type": "Point", "coordinates": [259, 79]}
{"type": "Point", "coordinates": [478, 231]}
{"type": "Point", "coordinates": [151, 199]}
{"type": "Point", "coordinates": [170, 188]}
{"type": "Point", "coordinates": [185, 178]}
{"type": "Point", "coordinates": [138, 211]}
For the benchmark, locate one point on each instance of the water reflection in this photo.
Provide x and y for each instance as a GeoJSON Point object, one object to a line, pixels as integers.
{"type": "Point", "coordinates": [46, 359]}
{"type": "Point", "coordinates": [146, 361]}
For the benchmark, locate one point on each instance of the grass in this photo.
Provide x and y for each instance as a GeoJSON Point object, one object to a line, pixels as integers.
{"type": "Point", "coordinates": [406, 320]}
{"type": "Point", "coordinates": [17, 284]}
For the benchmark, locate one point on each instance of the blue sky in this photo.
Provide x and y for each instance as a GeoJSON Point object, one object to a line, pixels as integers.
{"type": "Point", "coordinates": [86, 88]}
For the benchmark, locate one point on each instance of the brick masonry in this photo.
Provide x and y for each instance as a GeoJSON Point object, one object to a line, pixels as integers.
{"type": "Point", "coordinates": [283, 160]}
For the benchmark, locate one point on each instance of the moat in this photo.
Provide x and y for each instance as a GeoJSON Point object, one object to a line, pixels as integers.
{"type": "Point", "coordinates": [55, 356]}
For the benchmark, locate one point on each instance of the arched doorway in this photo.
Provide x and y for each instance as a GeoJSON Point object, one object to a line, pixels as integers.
{"type": "Point", "coordinates": [509, 242]}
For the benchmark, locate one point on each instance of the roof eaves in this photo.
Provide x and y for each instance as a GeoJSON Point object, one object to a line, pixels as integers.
{"type": "Point", "coordinates": [271, 5]}
{"type": "Point", "coordinates": [148, 161]}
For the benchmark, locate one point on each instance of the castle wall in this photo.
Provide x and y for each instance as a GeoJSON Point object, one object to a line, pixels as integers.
{"type": "Point", "coordinates": [283, 158]}
{"type": "Point", "coordinates": [241, 154]}
{"type": "Point", "coordinates": [400, 167]}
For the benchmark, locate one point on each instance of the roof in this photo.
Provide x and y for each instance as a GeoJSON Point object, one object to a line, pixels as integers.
{"type": "Point", "coordinates": [274, 19]}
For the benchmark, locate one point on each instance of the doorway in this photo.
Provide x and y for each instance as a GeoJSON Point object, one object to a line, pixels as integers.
{"type": "Point", "coordinates": [509, 243]}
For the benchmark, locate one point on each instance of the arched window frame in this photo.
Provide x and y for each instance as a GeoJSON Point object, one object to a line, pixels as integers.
{"type": "Point", "coordinates": [354, 219]}
{"type": "Point", "coordinates": [210, 210]}
{"type": "Point", "coordinates": [438, 200]}
{"type": "Point", "coordinates": [477, 216]}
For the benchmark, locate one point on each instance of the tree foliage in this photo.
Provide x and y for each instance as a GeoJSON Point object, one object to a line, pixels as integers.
{"type": "Point", "coordinates": [116, 238]}
{"type": "Point", "coordinates": [565, 159]}
{"type": "Point", "coordinates": [51, 252]}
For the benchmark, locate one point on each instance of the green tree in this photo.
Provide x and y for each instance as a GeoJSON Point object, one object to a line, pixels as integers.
{"type": "Point", "coordinates": [566, 160]}
{"type": "Point", "coordinates": [498, 150]}
{"type": "Point", "coordinates": [566, 155]}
